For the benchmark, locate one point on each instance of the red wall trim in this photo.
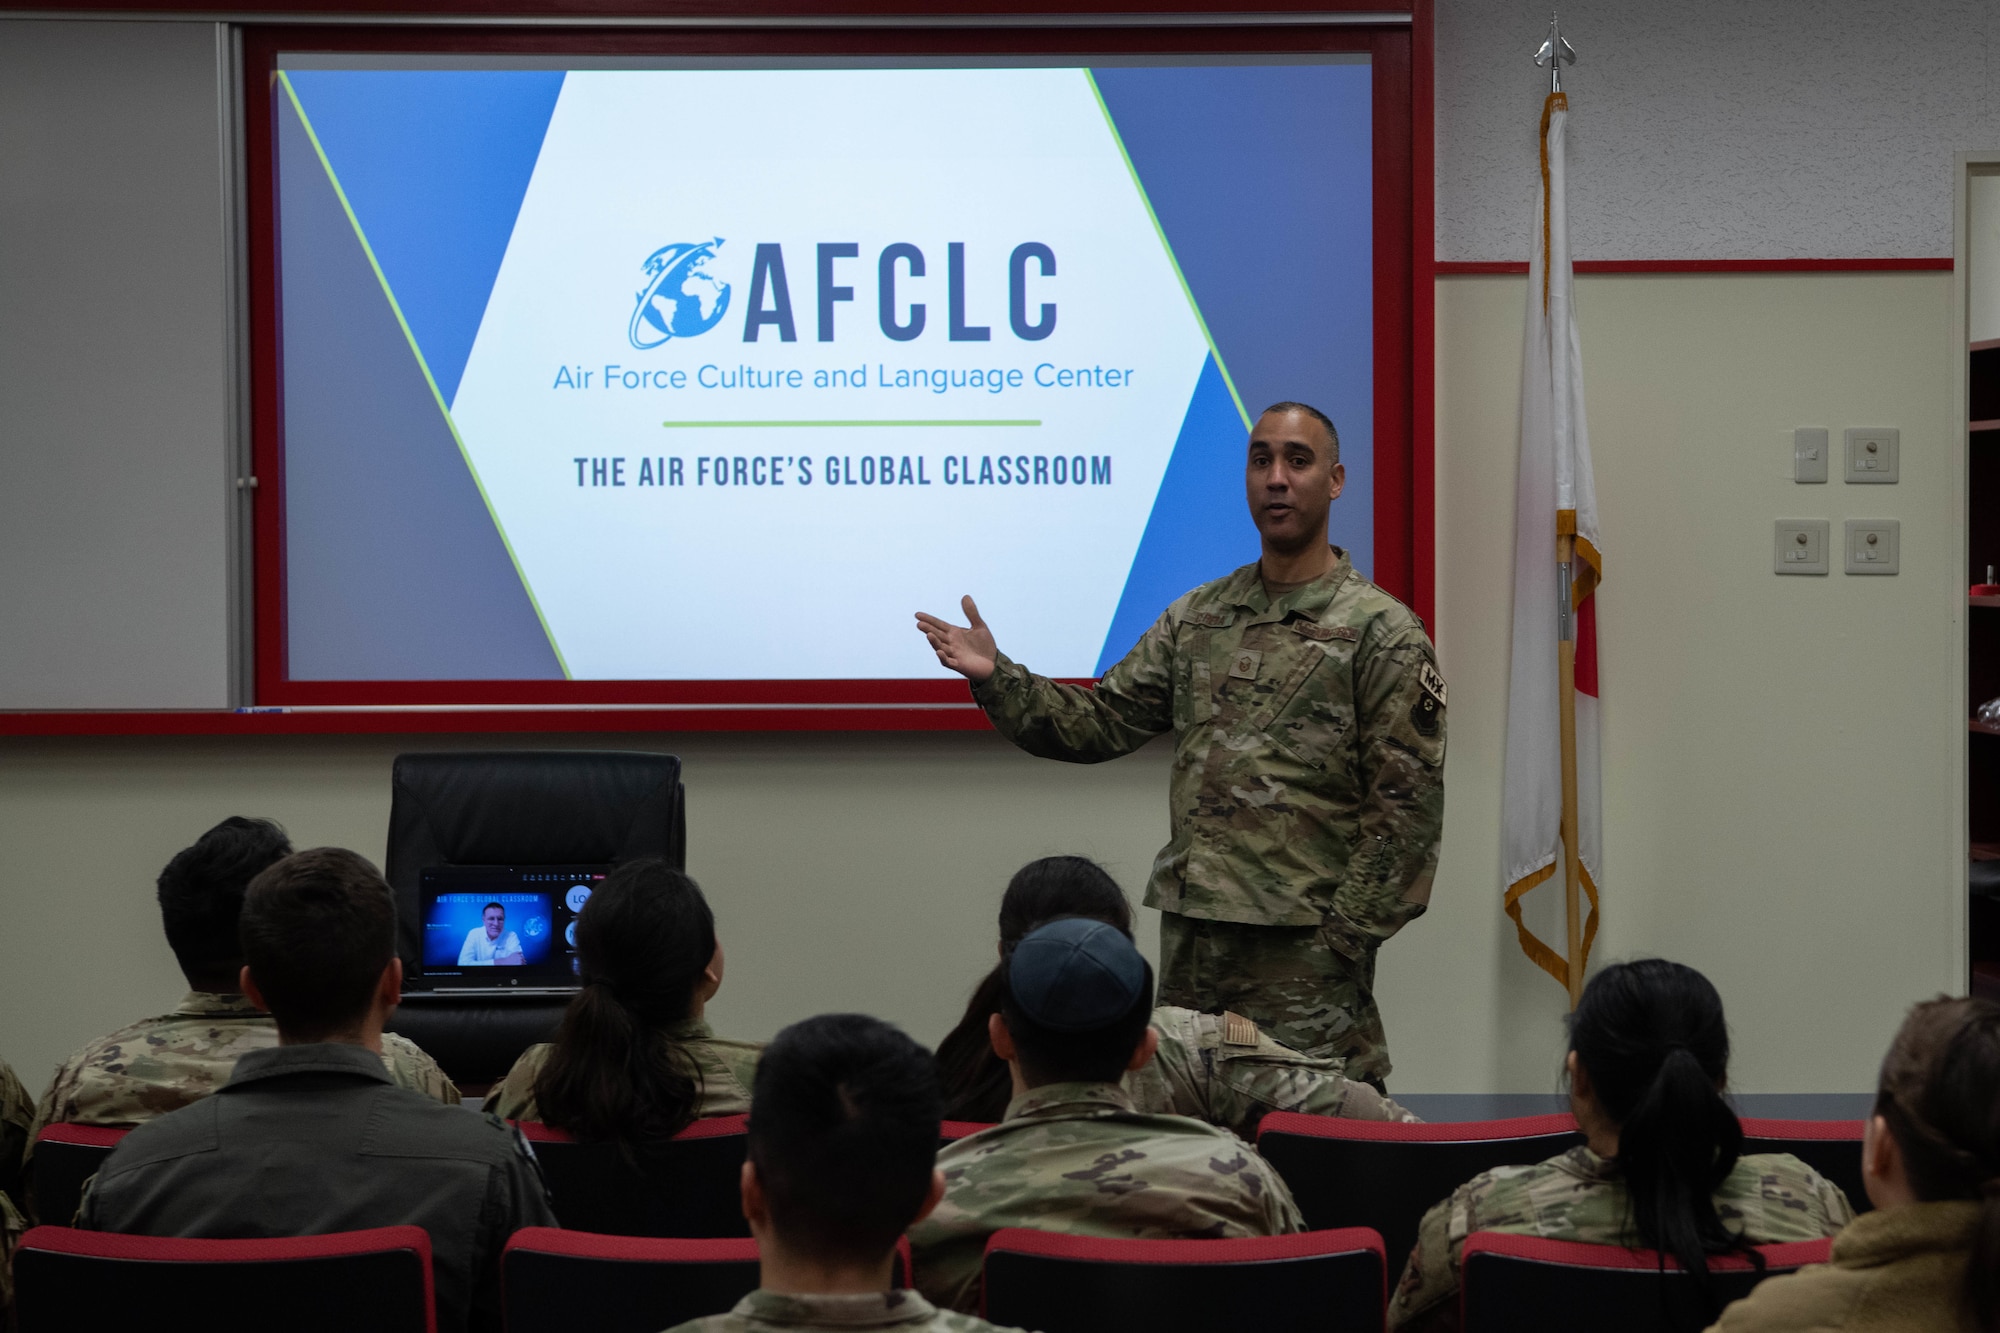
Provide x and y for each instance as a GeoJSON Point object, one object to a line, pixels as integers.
{"type": "Point", "coordinates": [1465, 269]}
{"type": "Point", "coordinates": [761, 13]}
{"type": "Point", "coordinates": [434, 721]}
{"type": "Point", "coordinates": [1423, 317]}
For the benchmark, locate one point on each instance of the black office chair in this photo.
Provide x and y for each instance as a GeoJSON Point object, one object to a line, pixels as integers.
{"type": "Point", "coordinates": [515, 807]}
{"type": "Point", "coordinates": [66, 1157]}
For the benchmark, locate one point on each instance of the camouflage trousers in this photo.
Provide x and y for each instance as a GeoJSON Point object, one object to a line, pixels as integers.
{"type": "Point", "coordinates": [1290, 980]}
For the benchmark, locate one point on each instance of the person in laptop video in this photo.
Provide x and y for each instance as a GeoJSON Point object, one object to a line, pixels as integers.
{"type": "Point", "coordinates": [490, 943]}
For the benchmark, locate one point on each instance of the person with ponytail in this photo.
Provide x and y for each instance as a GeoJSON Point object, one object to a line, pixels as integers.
{"type": "Point", "coordinates": [1927, 1260]}
{"type": "Point", "coordinates": [1662, 1166]}
{"type": "Point", "coordinates": [1214, 1067]}
{"type": "Point", "coordinates": [634, 1061]}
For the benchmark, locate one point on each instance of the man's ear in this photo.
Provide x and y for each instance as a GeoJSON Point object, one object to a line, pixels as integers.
{"type": "Point", "coordinates": [1144, 1051]}
{"type": "Point", "coordinates": [1001, 1039]}
{"type": "Point", "coordinates": [756, 1209]}
{"type": "Point", "coordinates": [932, 1199]}
{"type": "Point", "coordinates": [1879, 1151]}
{"type": "Point", "coordinates": [389, 986]}
{"type": "Point", "coordinates": [1338, 480]}
{"type": "Point", "coordinates": [249, 988]}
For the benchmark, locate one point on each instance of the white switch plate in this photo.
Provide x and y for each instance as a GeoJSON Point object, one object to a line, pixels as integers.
{"type": "Point", "coordinates": [1799, 546]}
{"type": "Point", "coordinates": [1809, 450]}
{"type": "Point", "coordinates": [1873, 455]}
{"type": "Point", "coordinates": [1873, 545]}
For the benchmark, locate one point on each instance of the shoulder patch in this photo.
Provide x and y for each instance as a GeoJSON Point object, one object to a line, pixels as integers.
{"type": "Point", "coordinates": [1432, 682]}
{"type": "Point", "coordinates": [1238, 1030]}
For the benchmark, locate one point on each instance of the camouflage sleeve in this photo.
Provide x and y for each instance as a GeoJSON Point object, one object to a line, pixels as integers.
{"type": "Point", "coordinates": [1399, 707]}
{"type": "Point", "coordinates": [513, 1097]}
{"type": "Point", "coordinates": [1250, 1080]}
{"type": "Point", "coordinates": [1133, 703]}
{"type": "Point", "coordinates": [17, 1114]}
{"type": "Point", "coordinates": [1427, 1296]}
{"type": "Point", "coordinates": [412, 1068]}
{"type": "Point", "coordinates": [1839, 1208]}
{"type": "Point", "coordinates": [12, 1224]}
{"type": "Point", "coordinates": [1281, 1211]}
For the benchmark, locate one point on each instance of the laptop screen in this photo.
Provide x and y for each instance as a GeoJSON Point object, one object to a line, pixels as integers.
{"type": "Point", "coordinates": [502, 927]}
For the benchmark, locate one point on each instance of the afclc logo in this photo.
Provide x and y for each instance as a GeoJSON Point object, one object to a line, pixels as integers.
{"type": "Point", "coordinates": [681, 298]}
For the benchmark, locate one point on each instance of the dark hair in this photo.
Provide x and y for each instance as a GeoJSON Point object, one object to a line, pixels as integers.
{"type": "Point", "coordinates": [1651, 1036]}
{"type": "Point", "coordinates": [1940, 1093]}
{"type": "Point", "coordinates": [490, 906]}
{"type": "Point", "coordinates": [844, 1135]}
{"type": "Point", "coordinates": [1322, 418]}
{"type": "Point", "coordinates": [1099, 1056]}
{"type": "Point", "coordinates": [615, 1075]}
{"type": "Point", "coordinates": [201, 897]}
{"type": "Point", "coordinates": [976, 1083]}
{"type": "Point", "coordinates": [318, 928]}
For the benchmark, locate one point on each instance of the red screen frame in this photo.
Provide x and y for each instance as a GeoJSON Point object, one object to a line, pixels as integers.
{"type": "Point", "coordinates": [1400, 56]}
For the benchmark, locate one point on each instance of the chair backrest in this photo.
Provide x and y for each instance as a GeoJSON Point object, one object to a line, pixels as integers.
{"type": "Point", "coordinates": [527, 807]}
{"type": "Point", "coordinates": [378, 1279]}
{"type": "Point", "coordinates": [692, 1187]}
{"type": "Point", "coordinates": [1830, 1147]}
{"type": "Point", "coordinates": [1324, 1281]}
{"type": "Point", "coordinates": [950, 1131]}
{"type": "Point", "coordinates": [1372, 1173]}
{"type": "Point", "coordinates": [553, 1281]}
{"type": "Point", "coordinates": [66, 1156]}
{"type": "Point", "coordinates": [1524, 1284]}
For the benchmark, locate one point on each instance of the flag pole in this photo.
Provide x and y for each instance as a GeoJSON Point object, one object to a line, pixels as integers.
{"type": "Point", "coordinates": [1572, 860]}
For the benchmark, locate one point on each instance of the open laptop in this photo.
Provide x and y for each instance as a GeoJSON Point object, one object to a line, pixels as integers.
{"type": "Point", "coordinates": [501, 930]}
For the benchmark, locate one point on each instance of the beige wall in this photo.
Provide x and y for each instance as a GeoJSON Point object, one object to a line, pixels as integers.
{"type": "Point", "coordinates": [1784, 756]}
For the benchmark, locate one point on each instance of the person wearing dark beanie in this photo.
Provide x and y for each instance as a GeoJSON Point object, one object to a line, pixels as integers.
{"type": "Point", "coordinates": [1072, 1155]}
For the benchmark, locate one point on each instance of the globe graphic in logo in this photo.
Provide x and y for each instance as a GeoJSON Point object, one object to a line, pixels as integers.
{"type": "Point", "coordinates": [535, 927]}
{"type": "Point", "coordinates": [681, 298]}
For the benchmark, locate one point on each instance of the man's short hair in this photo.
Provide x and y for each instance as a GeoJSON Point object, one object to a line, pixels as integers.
{"type": "Point", "coordinates": [318, 928]}
{"type": "Point", "coordinates": [1071, 1053]}
{"type": "Point", "coordinates": [201, 895]}
{"type": "Point", "coordinates": [490, 906]}
{"type": "Point", "coordinates": [844, 1135]}
{"type": "Point", "coordinates": [1322, 418]}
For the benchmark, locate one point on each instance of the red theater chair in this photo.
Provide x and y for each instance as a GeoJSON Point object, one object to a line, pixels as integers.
{"type": "Point", "coordinates": [950, 1131]}
{"type": "Point", "coordinates": [65, 1157]}
{"type": "Point", "coordinates": [1371, 1173]}
{"type": "Point", "coordinates": [378, 1279]}
{"type": "Point", "coordinates": [692, 1188]}
{"type": "Point", "coordinates": [1324, 1281]}
{"type": "Point", "coordinates": [1524, 1284]}
{"type": "Point", "coordinates": [554, 1281]}
{"type": "Point", "coordinates": [1830, 1147]}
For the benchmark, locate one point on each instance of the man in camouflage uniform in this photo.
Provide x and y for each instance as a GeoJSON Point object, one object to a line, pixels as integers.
{"type": "Point", "coordinates": [1308, 783]}
{"type": "Point", "coordinates": [1769, 1198]}
{"type": "Point", "coordinates": [17, 1111]}
{"type": "Point", "coordinates": [161, 1064]}
{"type": "Point", "coordinates": [841, 1162]}
{"type": "Point", "coordinates": [1072, 1155]}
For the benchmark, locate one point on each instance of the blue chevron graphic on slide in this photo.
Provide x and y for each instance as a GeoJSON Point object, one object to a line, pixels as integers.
{"type": "Point", "coordinates": [435, 164]}
{"type": "Point", "coordinates": [1260, 178]}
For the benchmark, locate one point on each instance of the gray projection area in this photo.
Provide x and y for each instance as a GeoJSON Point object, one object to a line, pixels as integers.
{"type": "Point", "coordinates": [393, 567]}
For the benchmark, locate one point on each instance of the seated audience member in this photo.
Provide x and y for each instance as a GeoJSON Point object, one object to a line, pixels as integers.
{"type": "Point", "coordinates": [1662, 1167]}
{"type": "Point", "coordinates": [17, 1110]}
{"type": "Point", "coordinates": [311, 1135]}
{"type": "Point", "coordinates": [1214, 1067]}
{"type": "Point", "coordinates": [634, 1060]}
{"type": "Point", "coordinates": [1928, 1257]}
{"type": "Point", "coordinates": [843, 1148]}
{"type": "Point", "coordinates": [160, 1064]}
{"type": "Point", "coordinates": [1072, 1154]}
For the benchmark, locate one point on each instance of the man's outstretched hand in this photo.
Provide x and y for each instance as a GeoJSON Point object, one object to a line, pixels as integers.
{"type": "Point", "coordinates": [969, 651]}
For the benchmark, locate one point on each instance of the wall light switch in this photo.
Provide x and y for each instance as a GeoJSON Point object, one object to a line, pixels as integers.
{"type": "Point", "coordinates": [1873, 545]}
{"type": "Point", "coordinates": [1872, 455]}
{"type": "Point", "coordinates": [1800, 546]}
{"type": "Point", "coordinates": [1809, 449]}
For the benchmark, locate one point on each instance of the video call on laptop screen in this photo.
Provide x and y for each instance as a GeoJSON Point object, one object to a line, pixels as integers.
{"type": "Point", "coordinates": [507, 927]}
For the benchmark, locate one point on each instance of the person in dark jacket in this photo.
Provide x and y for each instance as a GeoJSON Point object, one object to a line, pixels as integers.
{"type": "Point", "coordinates": [312, 1135]}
